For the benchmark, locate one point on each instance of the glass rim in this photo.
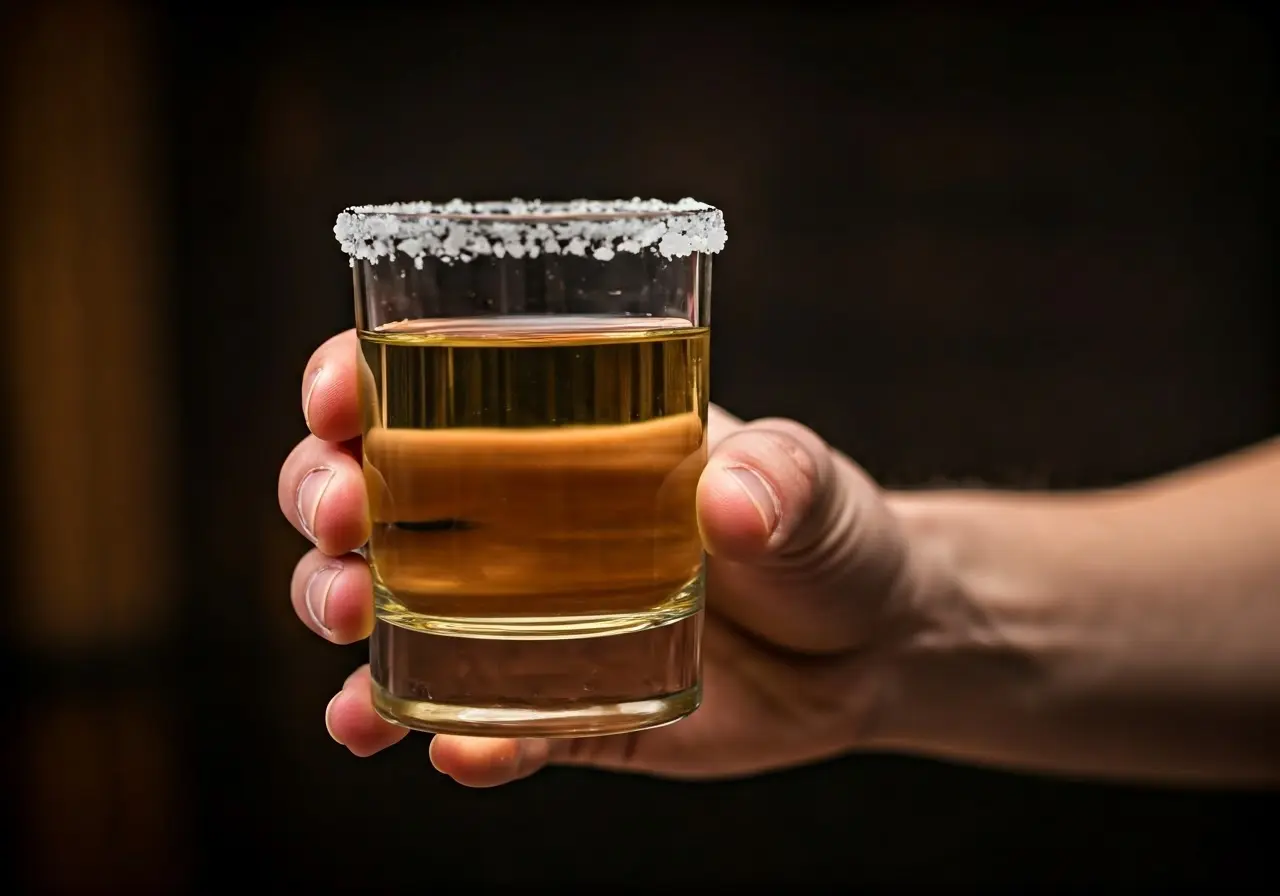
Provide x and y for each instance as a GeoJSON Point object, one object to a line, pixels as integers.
{"type": "Point", "coordinates": [460, 230]}
{"type": "Point", "coordinates": [519, 211]}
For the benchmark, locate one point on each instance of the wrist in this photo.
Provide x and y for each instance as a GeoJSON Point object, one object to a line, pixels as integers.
{"type": "Point", "coordinates": [982, 648]}
{"type": "Point", "coordinates": [1126, 633]}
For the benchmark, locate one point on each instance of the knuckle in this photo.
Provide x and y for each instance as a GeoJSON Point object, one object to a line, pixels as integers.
{"type": "Point", "coordinates": [802, 435]}
{"type": "Point", "coordinates": [792, 450]}
{"type": "Point", "coordinates": [789, 448]}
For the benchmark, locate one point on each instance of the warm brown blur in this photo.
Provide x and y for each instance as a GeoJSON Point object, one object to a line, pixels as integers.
{"type": "Point", "coordinates": [91, 397]}
{"type": "Point", "coordinates": [90, 402]}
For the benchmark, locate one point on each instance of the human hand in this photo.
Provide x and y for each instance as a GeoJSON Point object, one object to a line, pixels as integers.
{"type": "Point", "coordinates": [809, 581]}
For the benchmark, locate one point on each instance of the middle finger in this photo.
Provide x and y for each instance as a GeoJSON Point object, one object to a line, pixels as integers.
{"type": "Point", "coordinates": [322, 492]}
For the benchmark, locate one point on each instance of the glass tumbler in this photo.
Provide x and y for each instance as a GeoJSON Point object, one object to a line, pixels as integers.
{"type": "Point", "coordinates": [533, 388]}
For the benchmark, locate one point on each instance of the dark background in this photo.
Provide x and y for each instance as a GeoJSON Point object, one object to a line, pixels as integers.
{"type": "Point", "coordinates": [1022, 249]}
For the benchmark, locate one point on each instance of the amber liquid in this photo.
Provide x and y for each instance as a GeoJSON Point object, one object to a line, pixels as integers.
{"type": "Point", "coordinates": [536, 561]}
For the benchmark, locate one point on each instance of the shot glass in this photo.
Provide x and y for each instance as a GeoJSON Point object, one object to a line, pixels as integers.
{"type": "Point", "coordinates": [533, 387]}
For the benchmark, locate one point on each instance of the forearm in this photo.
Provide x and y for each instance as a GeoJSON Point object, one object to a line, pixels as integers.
{"type": "Point", "coordinates": [1132, 633]}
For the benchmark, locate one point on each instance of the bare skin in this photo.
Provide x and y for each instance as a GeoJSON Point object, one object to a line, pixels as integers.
{"type": "Point", "coordinates": [1122, 634]}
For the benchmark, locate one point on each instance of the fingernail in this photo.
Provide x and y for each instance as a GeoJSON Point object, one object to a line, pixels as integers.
{"type": "Point", "coordinates": [312, 381]}
{"type": "Point", "coordinates": [328, 710]}
{"type": "Point", "coordinates": [316, 596]}
{"type": "Point", "coordinates": [310, 494]}
{"type": "Point", "coordinates": [761, 495]}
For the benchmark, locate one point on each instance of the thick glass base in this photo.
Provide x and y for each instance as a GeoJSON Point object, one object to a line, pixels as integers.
{"type": "Point", "coordinates": [576, 720]}
{"type": "Point", "coordinates": [538, 687]}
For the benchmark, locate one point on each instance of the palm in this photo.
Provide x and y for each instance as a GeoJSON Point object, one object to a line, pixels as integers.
{"type": "Point", "coordinates": [764, 705]}
{"type": "Point", "coordinates": [785, 665]}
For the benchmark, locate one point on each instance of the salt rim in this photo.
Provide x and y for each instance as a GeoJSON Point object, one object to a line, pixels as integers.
{"type": "Point", "coordinates": [460, 231]}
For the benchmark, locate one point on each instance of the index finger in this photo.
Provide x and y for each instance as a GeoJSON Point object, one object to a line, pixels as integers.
{"type": "Point", "coordinates": [329, 390]}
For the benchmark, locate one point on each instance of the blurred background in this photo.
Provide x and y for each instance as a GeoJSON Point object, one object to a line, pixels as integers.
{"type": "Point", "coordinates": [1022, 249]}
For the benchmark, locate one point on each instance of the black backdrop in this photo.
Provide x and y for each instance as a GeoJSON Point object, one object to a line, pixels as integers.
{"type": "Point", "coordinates": [1019, 249]}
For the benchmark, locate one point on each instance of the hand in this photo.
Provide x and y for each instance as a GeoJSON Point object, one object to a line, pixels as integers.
{"type": "Point", "coordinates": [808, 580]}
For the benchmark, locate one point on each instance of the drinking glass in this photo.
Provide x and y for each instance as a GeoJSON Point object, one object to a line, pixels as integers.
{"type": "Point", "coordinates": [533, 391]}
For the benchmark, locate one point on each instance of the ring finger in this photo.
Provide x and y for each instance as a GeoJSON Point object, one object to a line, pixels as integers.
{"type": "Point", "coordinates": [333, 596]}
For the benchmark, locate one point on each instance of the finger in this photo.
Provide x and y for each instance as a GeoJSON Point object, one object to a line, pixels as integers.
{"type": "Point", "coordinates": [333, 596]}
{"type": "Point", "coordinates": [353, 722]}
{"type": "Point", "coordinates": [798, 536]}
{"type": "Point", "coordinates": [761, 488]}
{"type": "Point", "coordinates": [322, 492]}
{"type": "Point", "coordinates": [487, 761]}
{"type": "Point", "coordinates": [490, 762]}
{"type": "Point", "coordinates": [330, 403]}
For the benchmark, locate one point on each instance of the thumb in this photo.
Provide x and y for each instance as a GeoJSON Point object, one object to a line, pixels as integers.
{"type": "Point", "coordinates": [772, 494]}
{"type": "Point", "coordinates": [801, 543]}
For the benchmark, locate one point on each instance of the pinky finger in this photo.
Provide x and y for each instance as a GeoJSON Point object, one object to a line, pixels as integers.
{"type": "Point", "coordinates": [487, 761]}
{"type": "Point", "coordinates": [353, 722]}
